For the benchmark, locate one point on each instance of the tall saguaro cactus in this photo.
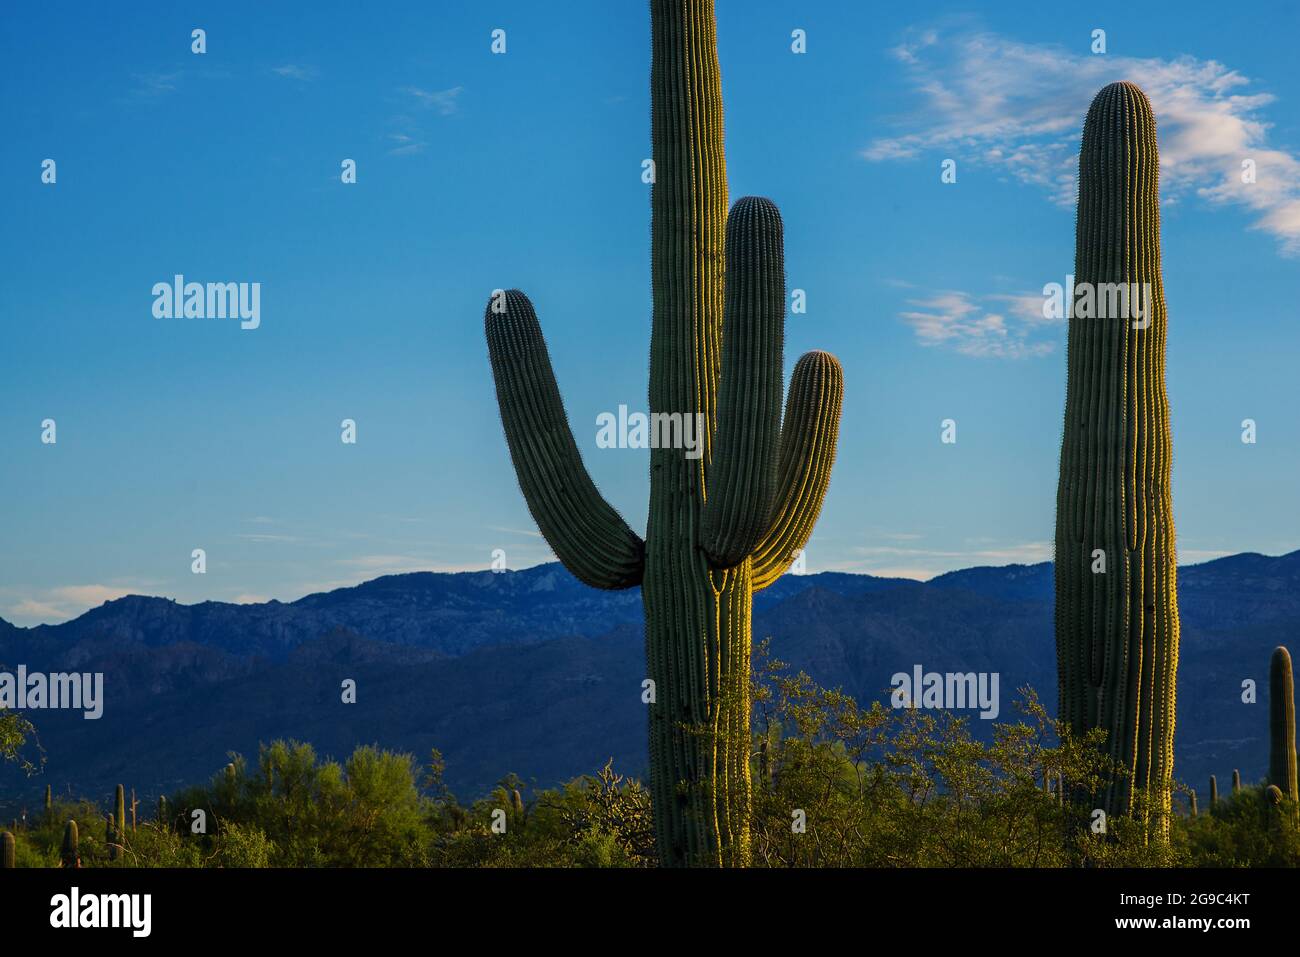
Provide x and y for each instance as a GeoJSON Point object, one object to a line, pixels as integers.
{"type": "Point", "coordinates": [1116, 599]}
{"type": "Point", "coordinates": [721, 524]}
{"type": "Point", "coordinates": [1281, 724]}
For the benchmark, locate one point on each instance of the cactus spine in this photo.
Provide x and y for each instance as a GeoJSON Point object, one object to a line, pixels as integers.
{"type": "Point", "coordinates": [1214, 792]}
{"type": "Point", "coordinates": [71, 852]}
{"type": "Point", "coordinates": [8, 851]}
{"type": "Point", "coordinates": [722, 524]}
{"type": "Point", "coordinates": [1281, 724]}
{"type": "Point", "coordinates": [1117, 631]}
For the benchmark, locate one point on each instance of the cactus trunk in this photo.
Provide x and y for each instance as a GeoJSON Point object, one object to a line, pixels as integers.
{"type": "Point", "coordinates": [725, 520]}
{"type": "Point", "coordinates": [1117, 629]}
{"type": "Point", "coordinates": [1236, 780]}
{"type": "Point", "coordinates": [71, 851]}
{"type": "Point", "coordinates": [119, 809]}
{"type": "Point", "coordinates": [111, 837]}
{"type": "Point", "coordinates": [1214, 792]}
{"type": "Point", "coordinates": [1281, 724]}
{"type": "Point", "coordinates": [8, 851]}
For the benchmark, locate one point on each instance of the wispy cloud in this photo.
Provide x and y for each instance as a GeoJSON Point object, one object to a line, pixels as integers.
{"type": "Point", "coordinates": [1019, 107]}
{"type": "Point", "coordinates": [294, 71]}
{"type": "Point", "coordinates": [31, 606]}
{"type": "Point", "coordinates": [444, 101]}
{"type": "Point", "coordinates": [406, 144]}
{"type": "Point", "coordinates": [151, 85]}
{"type": "Point", "coordinates": [924, 563]}
{"type": "Point", "coordinates": [994, 326]}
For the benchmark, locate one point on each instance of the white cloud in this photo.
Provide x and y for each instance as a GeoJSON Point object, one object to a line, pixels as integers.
{"type": "Point", "coordinates": [444, 101]}
{"type": "Point", "coordinates": [33, 606]}
{"type": "Point", "coordinates": [293, 71]}
{"type": "Point", "coordinates": [994, 326]}
{"type": "Point", "coordinates": [1020, 107]}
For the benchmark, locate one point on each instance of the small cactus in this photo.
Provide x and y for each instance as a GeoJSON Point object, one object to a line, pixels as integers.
{"type": "Point", "coordinates": [71, 853]}
{"type": "Point", "coordinates": [1214, 792]}
{"type": "Point", "coordinates": [8, 848]}
{"type": "Point", "coordinates": [517, 800]}
{"type": "Point", "coordinates": [49, 802]}
{"type": "Point", "coordinates": [1236, 781]}
{"type": "Point", "coordinates": [1281, 724]}
{"type": "Point", "coordinates": [1191, 802]}
{"type": "Point", "coordinates": [110, 836]}
{"type": "Point", "coordinates": [119, 809]}
{"type": "Point", "coordinates": [162, 810]}
{"type": "Point", "coordinates": [134, 805]}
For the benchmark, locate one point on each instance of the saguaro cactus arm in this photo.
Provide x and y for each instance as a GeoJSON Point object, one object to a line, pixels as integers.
{"type": "Point", "coordinates": [587, 535]}
{"type": "Point", "coordinates": [742, 478]}
{"type": "Point", "coordinates": [808, 436]}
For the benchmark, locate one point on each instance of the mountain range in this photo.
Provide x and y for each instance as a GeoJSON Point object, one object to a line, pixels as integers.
{"type": "Point", "coordinates": [532, 672]}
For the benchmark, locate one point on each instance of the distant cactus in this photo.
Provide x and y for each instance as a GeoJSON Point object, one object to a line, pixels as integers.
{"type": "Point", "coordinates": [71, 852]}
{"type": "Point", "coordinates": [119, 809]}
{"type": "Point", "coordinates": [1236, 781]}
{"type": "Point", "coordinates": [1117, 631]}
{"type": "Point", "coordinates": [517, 802]}
{"type": "Point", "coordinates": [49, 802]}
{"type": "Point", "coordinates": [134, 805]}
{"type": "Point", "coordinates": [1191, 802]}
{"type": "Point", "coordinates": [1214, 792]}
{"type": "Point", "coordinates": [162, 810]}
{"type": "Point", "coordinates": [111, 838]}
{"type": "Point", "coordinates": [8, 848]}
{"type": "Point", "coordinates": [1281, 724]}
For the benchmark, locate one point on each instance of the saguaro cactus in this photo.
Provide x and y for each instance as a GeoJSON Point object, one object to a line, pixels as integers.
{"type": "Point", "coordinates": [71, 852]}
{"type": "Point", "coordinates": [8, 851]}
{"type": "Point", "coordinates": [721, 524]}
{"type": "Point", "coordinates": [112, 837]}
{"type": "Point", "coordinates": [1281, 724]}
{"type": "Point", "coordinates": [1117, 629]}
{"type": "Point", "coordinates": [1236, 780]}
{"type": "Point", "coordinates": [49, 802]}
{"type": "Point", "coordinates": [1214, 792]}
{"type": "Point", "coordinates": [1191, 802]}
{"type": "Point", "coordinates": [119, 809]}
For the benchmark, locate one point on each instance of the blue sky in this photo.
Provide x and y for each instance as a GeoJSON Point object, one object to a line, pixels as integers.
{"type": "Point", "coordinates": [477, 171]}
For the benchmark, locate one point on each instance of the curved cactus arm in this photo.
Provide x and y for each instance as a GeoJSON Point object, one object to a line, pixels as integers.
{"type": "Point", "coordinates": [742, 477]}
{"type": "Point", "coordinates": [808, 436]}
{"type": "Point", "coordinates": [585, 532]}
